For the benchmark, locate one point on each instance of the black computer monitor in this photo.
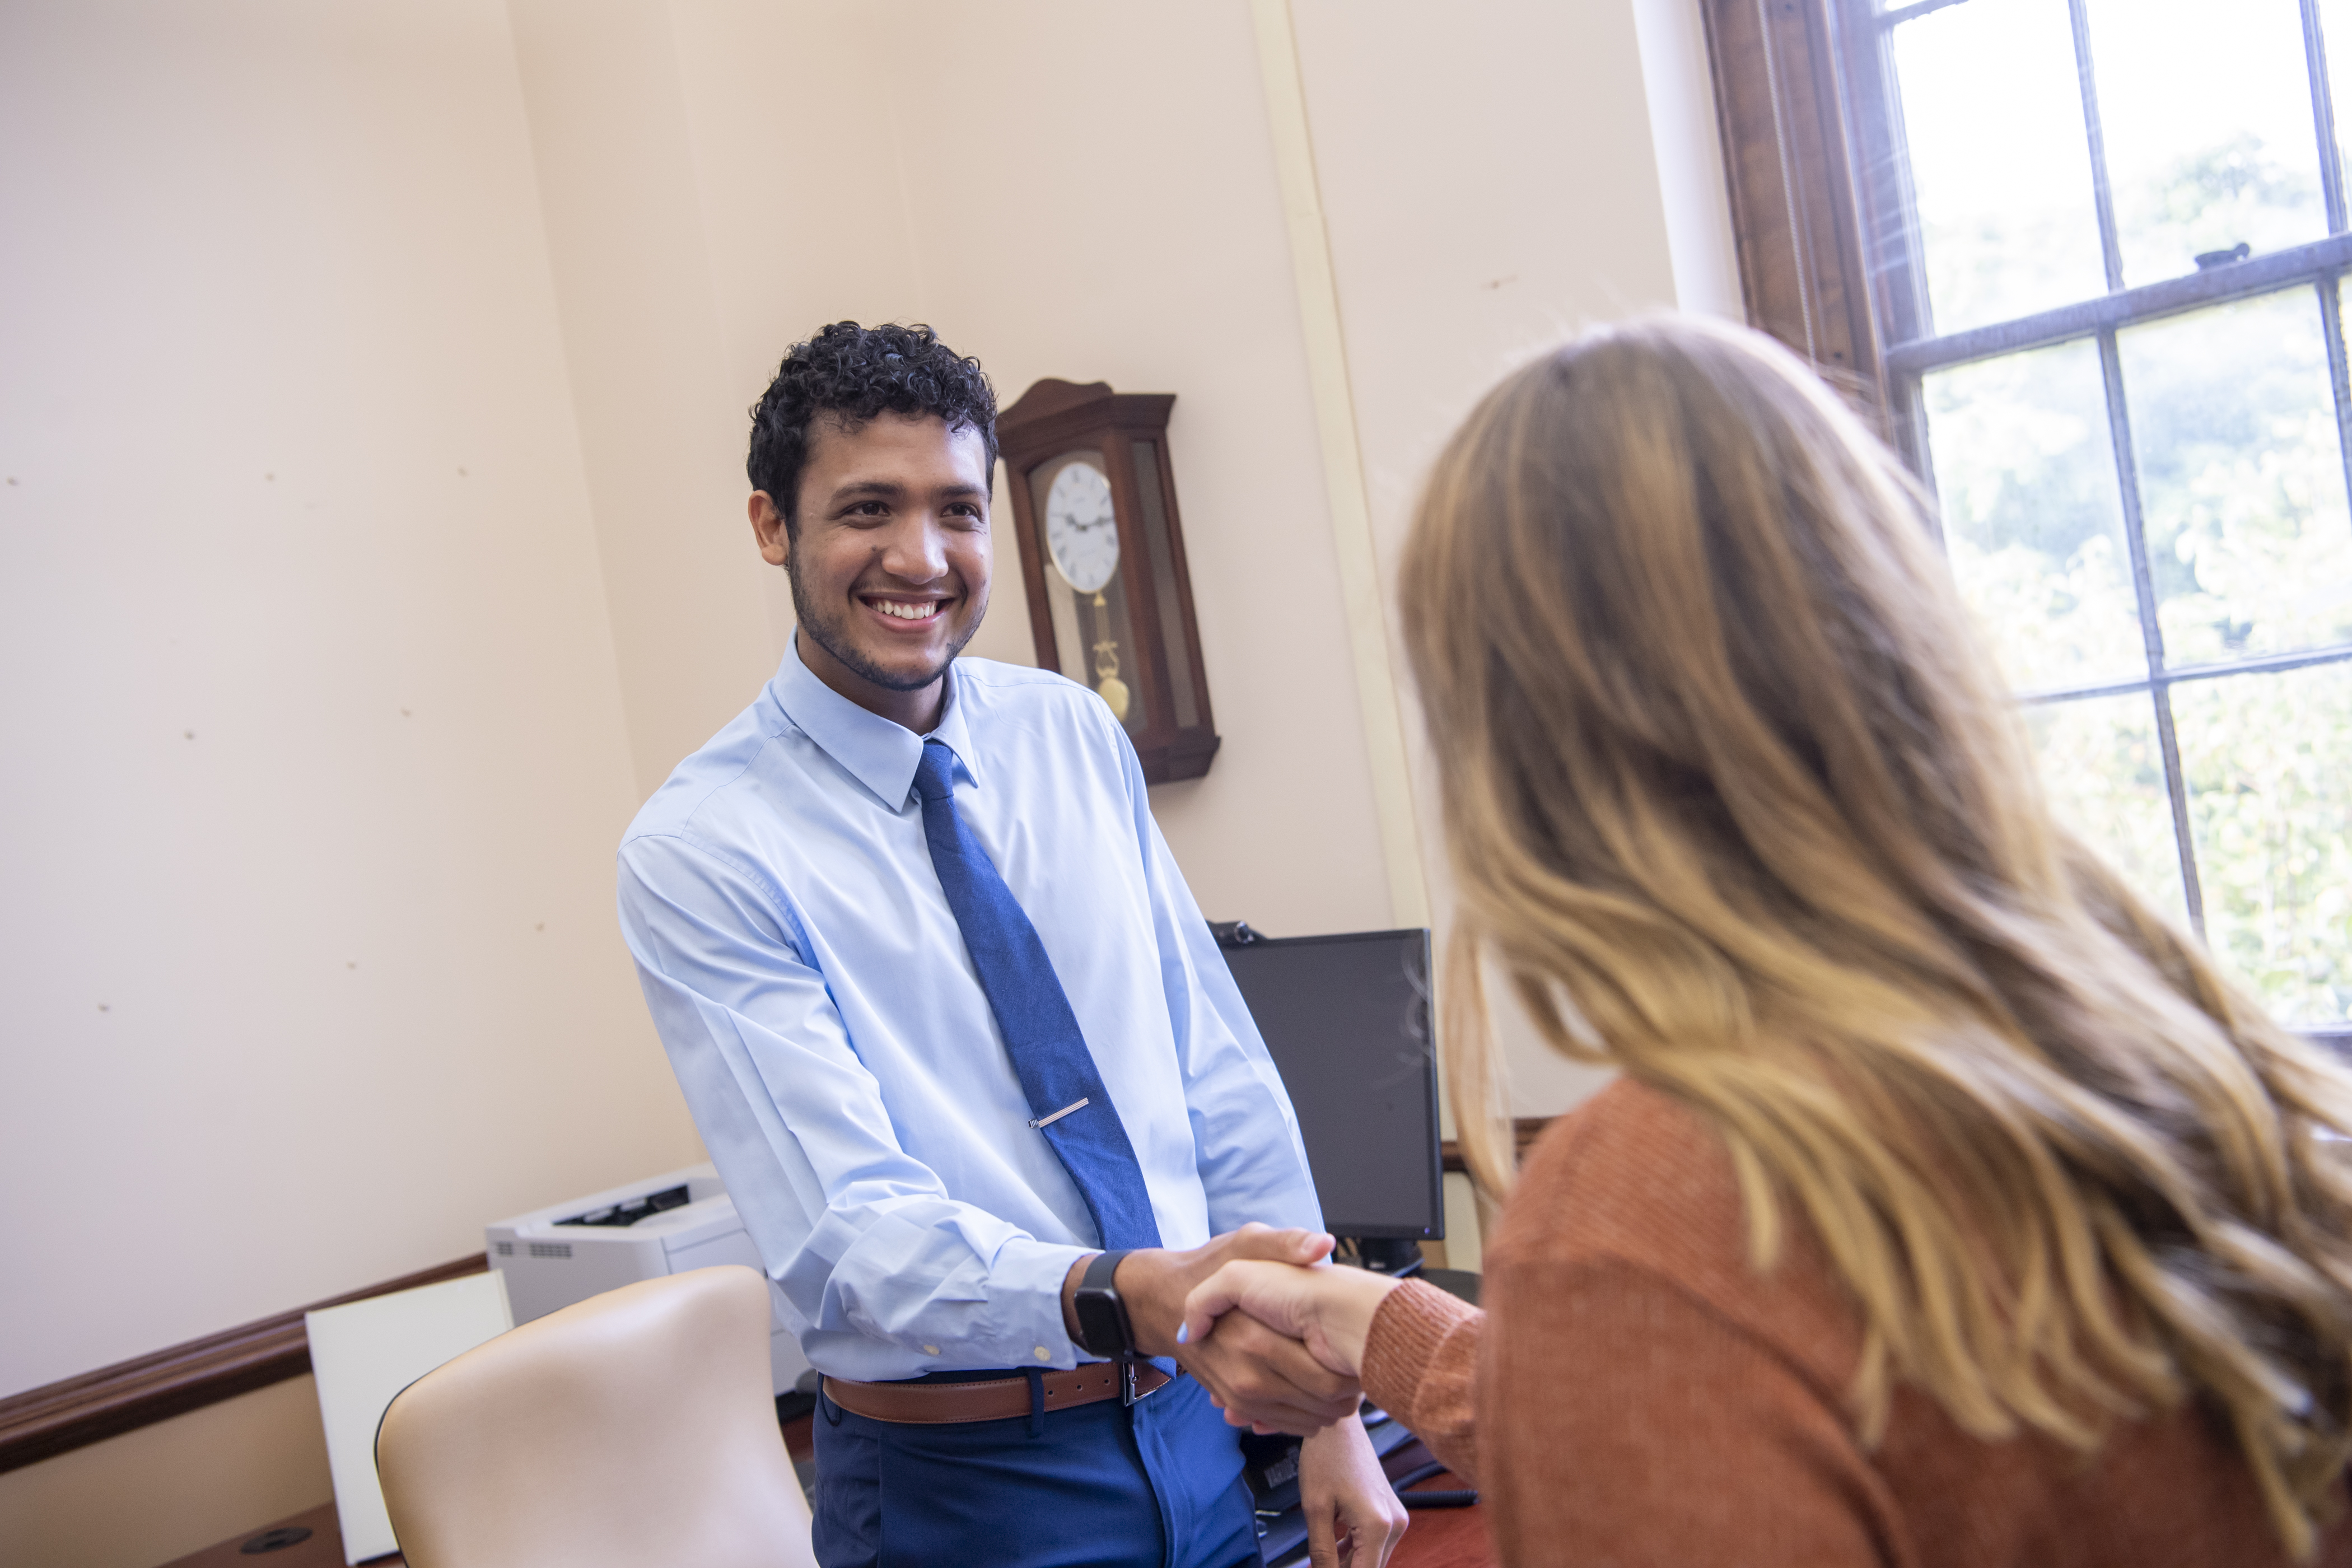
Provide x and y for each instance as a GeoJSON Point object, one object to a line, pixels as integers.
{"type": "Point", "coordinates": [1347, 1020]}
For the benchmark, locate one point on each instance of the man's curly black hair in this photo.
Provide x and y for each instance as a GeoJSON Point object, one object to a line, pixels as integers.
{"type": "Point", "coordinates": [853, 373]}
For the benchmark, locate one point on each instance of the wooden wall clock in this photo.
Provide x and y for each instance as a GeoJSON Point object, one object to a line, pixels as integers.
{"type": "Point", "coordinates": [1102, 554]}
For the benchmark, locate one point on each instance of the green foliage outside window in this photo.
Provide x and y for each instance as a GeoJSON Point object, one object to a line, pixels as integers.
{"type": "Point", "coordinates": [2242, 492]}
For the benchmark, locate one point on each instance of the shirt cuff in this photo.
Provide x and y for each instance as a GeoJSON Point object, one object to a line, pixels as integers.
{"type": "Point", "coordinates": [1035, 1271]}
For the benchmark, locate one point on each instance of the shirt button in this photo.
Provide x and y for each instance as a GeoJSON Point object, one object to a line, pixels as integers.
{"type": "Point", "coordinates": [1044, 1354]}
{"type": "Point", "coordinates": [931, 1350]}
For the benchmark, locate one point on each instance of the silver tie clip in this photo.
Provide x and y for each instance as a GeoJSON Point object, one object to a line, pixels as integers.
{"type": "Point", "coordinates": [1079, 1104]}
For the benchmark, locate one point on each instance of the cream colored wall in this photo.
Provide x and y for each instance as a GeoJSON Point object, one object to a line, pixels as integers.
{"type": "Point", "coordinates": [1491, 181]}
{"type": "Point", "coordinates": [316, 761]}
{"type": "Point", "coordinates": [316, 755]}
{"type": "Point", "coordinates": [279, 272]}
{"type": "Point", "coordinates": [658, 395]}
{"type": "Point", "coordinates": [1688, 141]}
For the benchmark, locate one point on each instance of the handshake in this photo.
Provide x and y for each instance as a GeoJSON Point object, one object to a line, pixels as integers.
{"type": "Point", "coordinates": [1260, 1318]}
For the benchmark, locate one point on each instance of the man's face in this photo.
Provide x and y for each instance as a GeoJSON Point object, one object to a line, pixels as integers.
{"type": "Point", "coordinates": [890, 566]}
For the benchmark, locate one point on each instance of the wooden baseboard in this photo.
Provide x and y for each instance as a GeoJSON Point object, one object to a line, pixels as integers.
{"type": "Point", "coordinates": [43, 1422]}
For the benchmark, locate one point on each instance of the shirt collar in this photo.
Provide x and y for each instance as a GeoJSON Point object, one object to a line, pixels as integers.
{"type": "Point", "coordinates": [879, 753]}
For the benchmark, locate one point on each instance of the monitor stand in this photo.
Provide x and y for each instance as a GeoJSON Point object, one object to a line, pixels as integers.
{"type": "Point", "coordinates": [1399, 1256]}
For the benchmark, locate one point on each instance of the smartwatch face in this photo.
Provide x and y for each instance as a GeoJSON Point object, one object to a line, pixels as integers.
{"type": "Point", "coordinates": [1101, 1324]}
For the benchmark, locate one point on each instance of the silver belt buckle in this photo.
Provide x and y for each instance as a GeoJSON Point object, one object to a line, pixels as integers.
{"type": "Point", "coordinates": [1126, 1394]}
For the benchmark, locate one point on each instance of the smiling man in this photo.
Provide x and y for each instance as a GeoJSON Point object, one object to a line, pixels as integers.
{"type": "Point", "coordinates": [957, 1037]}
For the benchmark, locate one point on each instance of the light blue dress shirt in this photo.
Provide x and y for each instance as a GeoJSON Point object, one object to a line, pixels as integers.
{"type": "Point", "coordinates": [829, 1031]}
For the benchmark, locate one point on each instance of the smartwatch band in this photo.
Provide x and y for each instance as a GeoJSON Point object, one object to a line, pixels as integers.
{"type": "Point", "coordinates": [1100, 1273]}
{"type": "Point", "coordinates": [1096, 1285]}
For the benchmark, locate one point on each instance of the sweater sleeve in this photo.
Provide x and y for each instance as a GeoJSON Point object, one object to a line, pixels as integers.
{"type": "Point", "coordinates": [1421, 1359]}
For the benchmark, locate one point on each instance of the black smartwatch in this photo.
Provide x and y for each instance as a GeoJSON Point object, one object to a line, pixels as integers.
{"type": "Point", "coordinates": [1103, 1326]}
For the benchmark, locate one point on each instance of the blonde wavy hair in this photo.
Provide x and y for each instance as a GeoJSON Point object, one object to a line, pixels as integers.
{"type": "Point", "coordinates": [1735, 802]}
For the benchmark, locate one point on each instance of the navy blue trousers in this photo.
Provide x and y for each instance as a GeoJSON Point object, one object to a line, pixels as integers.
{"type": "Point", "coordinates": [1157, 1485]}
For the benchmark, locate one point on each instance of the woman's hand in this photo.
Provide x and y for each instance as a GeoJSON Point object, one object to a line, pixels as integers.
{"type": "Point", "coordinates": [1327, 1309]}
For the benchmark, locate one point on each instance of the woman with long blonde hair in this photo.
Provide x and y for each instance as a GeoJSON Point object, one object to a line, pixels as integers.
{"type": "Point", "coordinates": [1951, 1207]}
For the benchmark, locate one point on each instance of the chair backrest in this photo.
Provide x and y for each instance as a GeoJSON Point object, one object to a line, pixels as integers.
{"type": "Point", "coordinates": [634, 1428]}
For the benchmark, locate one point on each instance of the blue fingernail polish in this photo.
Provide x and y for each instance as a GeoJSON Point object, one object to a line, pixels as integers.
{"type": "Point", "coordinates": [1183, 1333]}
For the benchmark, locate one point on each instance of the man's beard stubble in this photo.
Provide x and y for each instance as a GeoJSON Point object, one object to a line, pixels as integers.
{"type": "Point", "coordinates": [831, 636]}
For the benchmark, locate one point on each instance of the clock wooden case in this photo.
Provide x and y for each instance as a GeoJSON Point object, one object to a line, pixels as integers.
{"type": "Point", "coordinates": [1102, 555]}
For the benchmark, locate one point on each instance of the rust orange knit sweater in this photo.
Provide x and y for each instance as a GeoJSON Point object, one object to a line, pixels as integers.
{"type": "Point", "coordinates": [1644, 1397]}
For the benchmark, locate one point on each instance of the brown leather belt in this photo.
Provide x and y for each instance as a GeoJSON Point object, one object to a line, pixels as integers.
{"type": "Point", "coordinates": [995, 1399]}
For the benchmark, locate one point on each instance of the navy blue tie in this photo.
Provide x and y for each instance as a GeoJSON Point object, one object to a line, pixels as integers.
{"type": "Point", "coordinates": [1067, 1101]}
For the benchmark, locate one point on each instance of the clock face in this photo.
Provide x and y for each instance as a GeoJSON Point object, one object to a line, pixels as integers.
{"type": "Point", "coordinates": [1081, 529]}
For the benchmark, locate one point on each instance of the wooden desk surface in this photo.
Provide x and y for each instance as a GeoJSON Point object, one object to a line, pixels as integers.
{"type": "Point", "coordinates": [1444, 1537]}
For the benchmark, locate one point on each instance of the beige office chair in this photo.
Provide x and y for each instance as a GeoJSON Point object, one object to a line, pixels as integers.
{"type": "Point", "coordinates": [632, 1430]}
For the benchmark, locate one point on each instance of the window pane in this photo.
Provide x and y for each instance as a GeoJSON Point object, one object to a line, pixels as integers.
{"type": "Point", "coordinates": [2006, 215]}
{"type": "Point", "coordinates": [2104, 773]}
{"type": "Point", "coordinates": [2242, 477]}
{"type": "Point", "coordinates": [2026, 474]}
{"type": "Point", "coordinates": [2267, 759]}
{"type": "Point", "coordinates": [2207, 112]}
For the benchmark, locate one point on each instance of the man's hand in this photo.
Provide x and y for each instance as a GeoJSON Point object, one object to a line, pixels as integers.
{"type": "Point", "coordinates": [1330, 1310]}
{"type": "Point", "coordinates": [1352, 1513]}
{"type": "Point", "coordinates": [1154, 1283]}
{"type": "Point", "coordinates": [1245, 1366]}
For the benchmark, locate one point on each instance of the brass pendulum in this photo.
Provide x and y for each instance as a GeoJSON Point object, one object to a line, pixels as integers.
{"type": "Point", "coordinates": [1107, 682]}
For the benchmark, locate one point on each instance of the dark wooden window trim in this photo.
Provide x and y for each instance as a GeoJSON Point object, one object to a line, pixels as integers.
{"type": "Point", "coordinates": [1789, 160]}
{"type": "Point", "coordinates": [41, 1423]}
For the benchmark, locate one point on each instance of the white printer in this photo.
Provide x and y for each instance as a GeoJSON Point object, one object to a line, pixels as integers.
{"type": "Point", "coordinates": [663, 1225]}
